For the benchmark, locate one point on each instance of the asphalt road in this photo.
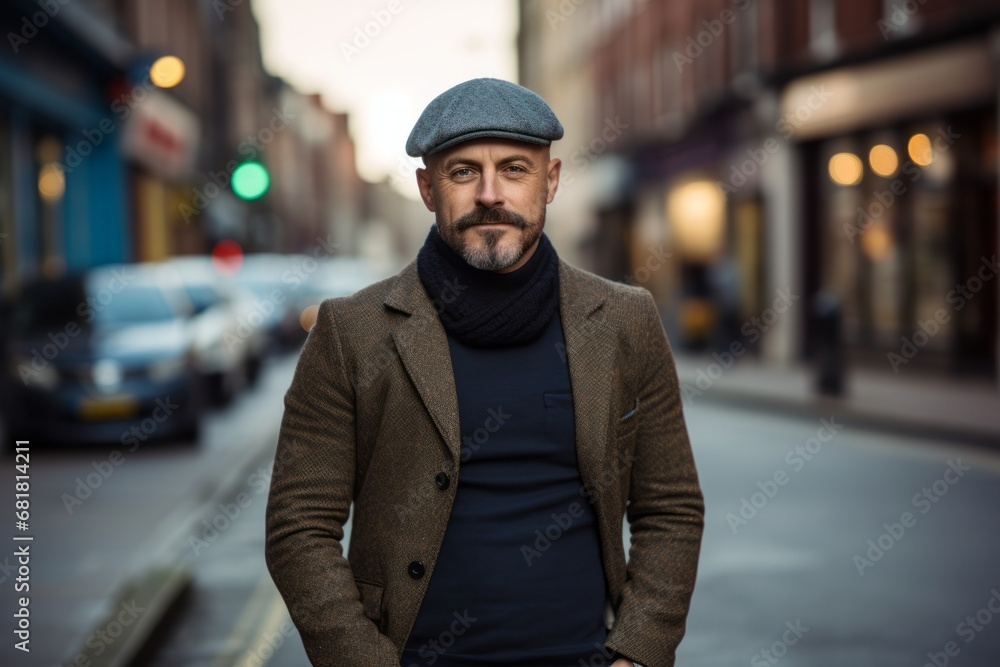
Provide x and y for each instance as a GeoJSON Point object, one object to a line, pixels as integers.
{"type": "Point", "coordinates": [102, 515]}
{"type": "Point", "coordinates": [785, 579]}
{"type": "Point", "coordinates": [823, 545]}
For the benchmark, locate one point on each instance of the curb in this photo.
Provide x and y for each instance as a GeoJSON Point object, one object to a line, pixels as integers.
{"type": "Point", "coordinates": [815, 407]}
{"type": "Point", "coordinates": [164, 583]}
{"type": "Point", "coordinates": [137, 610]}
{"type": "Point", "coordinates": [160, 586]}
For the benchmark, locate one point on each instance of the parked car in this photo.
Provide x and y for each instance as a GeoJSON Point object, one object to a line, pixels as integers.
{"type": "Point", "coordinates": [337, 276]}
{"type": "Point", "coordinates": [229, 343]}
{"type": "Point", "coordinates": [274, 279]}
{"type": "Point", "coordinates": [103, 356]}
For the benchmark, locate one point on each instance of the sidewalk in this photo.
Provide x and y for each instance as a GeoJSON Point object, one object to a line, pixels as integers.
{"type": "Point", "coordinates": [938, 408]}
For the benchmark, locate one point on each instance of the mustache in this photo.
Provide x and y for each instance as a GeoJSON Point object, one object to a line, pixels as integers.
{"type": "Point", "coordinates": [483, 216]}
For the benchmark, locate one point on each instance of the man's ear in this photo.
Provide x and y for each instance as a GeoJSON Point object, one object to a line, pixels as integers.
{"type": "Point", "coordinates": [555, 168]}
{"type": "Point", "coordinates": [424, 183]}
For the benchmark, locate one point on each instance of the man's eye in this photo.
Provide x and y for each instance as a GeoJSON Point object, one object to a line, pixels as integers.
{"type": "Point", "coordinates": [515, 168]}
{"type": "Point", "coordinates": [464, 171]}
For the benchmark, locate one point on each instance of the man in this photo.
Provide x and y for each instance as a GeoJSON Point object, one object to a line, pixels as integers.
{"type": "Point", "coordinates": [493, 413]}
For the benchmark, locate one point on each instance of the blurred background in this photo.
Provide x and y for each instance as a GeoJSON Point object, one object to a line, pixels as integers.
{"type": "Point", "coordinates": [808, 188]}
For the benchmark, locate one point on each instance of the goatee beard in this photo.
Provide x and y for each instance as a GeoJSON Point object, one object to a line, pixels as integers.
{"type": "Point", "coordinates": [492, 257]}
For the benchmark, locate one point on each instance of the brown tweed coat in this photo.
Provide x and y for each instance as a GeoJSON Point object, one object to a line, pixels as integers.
{"type": "Point", "coordinates": [371, 416]}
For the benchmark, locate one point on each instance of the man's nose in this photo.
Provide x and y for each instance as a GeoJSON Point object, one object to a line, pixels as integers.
{"type": "Point", "coordinates": [490, 194]}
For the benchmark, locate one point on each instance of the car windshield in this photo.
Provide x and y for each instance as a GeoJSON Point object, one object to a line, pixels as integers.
{"type": "Point", "coordinates": [134, 304]}
{"type": "Point", "coordinates": [202, 297]}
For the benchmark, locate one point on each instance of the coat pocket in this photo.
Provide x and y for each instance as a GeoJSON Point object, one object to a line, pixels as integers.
{"type": "Point", "coordinates": [628, 419]}
{"type": "Point", "coordinates": [625, 434]}
{"type": "Point", "coordinates": [371, 599]}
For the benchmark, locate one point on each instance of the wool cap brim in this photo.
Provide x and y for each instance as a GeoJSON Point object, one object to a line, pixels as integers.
{"type": "Point", "coordinates": [479, 109]}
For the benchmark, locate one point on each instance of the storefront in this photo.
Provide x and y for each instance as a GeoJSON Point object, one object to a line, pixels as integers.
{"type": "Point", "coordinates": [160, 137]}
{"type": "Point", "coordinates": [900, 208]}
{"type": "Point", "coordinates": [62, 193]}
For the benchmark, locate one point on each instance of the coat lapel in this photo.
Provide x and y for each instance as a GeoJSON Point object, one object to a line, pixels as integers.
{"type": "Point", "coordinates": [589, 351]}
{"type": "Point", "coordinates": [423, 348]}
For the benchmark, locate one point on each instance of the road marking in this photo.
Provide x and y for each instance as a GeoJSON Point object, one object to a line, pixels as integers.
{"type": "Point", "coordinates": [275, 618]}
{"type": "Point", "coordinates": [234, 644]}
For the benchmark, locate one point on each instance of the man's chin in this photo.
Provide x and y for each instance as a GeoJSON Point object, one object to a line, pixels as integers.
{"type": "Point", "coordinates": [498, 259]}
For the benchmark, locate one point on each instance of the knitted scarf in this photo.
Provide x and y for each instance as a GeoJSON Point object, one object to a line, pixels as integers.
{"type": "Point", "coordinates": [482, 308]}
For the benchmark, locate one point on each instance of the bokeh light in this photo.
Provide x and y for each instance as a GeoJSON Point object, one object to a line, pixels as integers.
{"type": "Point", "coordinates": [697, 212]}
{"type": "Point", "coordinates": [51, 182]}
{"type": "Point", "coordinates": [167, 72]}
{"type": "Point", "coordinates": [919, 149]}
{"type": "Point", "coordinates": [846, 169]}
{"type": "Point", "coordinates": [251, 180]}
{"type": "Point", "coordinates": [227, 257]}
{"type": "Point", "coordinates": [883, 160]}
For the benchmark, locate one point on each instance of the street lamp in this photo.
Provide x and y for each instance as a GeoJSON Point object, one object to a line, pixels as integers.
{"type": "Point", "coordinates": [167, 71]}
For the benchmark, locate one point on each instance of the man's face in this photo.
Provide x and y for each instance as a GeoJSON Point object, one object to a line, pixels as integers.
{"type": "Point", "coordinates": [489, 197]}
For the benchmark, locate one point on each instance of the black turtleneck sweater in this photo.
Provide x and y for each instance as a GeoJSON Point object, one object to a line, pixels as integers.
{"type": "Point", "coordinates": [519, 578]}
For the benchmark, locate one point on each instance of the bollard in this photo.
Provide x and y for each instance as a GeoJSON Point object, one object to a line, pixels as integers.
{"type": "Point", "coordinates": [830, 358]}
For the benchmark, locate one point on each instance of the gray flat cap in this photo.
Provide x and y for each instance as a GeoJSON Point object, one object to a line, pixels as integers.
{"type": "Point", "coordinates": [482, 108]}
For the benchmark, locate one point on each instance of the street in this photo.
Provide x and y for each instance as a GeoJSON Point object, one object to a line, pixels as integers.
{"type": "Point", "coordinates": [823, 545]}
{"type": "Point", "coordinates": [89, 538]}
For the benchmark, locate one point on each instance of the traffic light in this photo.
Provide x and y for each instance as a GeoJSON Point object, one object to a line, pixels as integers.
{"type": "Point", "coordinates": [251, 180]}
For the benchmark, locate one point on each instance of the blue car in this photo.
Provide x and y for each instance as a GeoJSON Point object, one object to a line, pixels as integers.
{"type": "Point", "coordinates": [101, 357]}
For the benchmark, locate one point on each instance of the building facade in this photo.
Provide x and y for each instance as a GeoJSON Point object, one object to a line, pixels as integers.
{"type": "Point", "coordinates": [779, 150]}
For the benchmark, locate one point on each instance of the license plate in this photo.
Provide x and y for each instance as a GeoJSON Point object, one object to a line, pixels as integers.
{"type": "Point", "coordinates": [110, 407]}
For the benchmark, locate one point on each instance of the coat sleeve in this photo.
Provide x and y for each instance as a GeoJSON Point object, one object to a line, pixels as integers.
{"type": "Point", "coordinates": [665, 512]}
{"type": "Point", "coordinates": [312, 485]}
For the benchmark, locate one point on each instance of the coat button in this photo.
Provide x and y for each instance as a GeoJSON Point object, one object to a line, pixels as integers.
{"type": "Point", "coordinates": [416, 569]}
{"type": "Point", "coordinates": [442, 480]}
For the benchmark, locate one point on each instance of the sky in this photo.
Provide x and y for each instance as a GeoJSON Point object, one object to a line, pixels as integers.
{"type": "Point", "coordinates": [382, 61]}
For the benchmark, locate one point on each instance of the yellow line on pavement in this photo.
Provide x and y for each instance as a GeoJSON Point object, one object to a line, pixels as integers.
{"type": "Point", "coordinates": [273, 632]}
{"type": "Point", "coordinates": [236, 642]}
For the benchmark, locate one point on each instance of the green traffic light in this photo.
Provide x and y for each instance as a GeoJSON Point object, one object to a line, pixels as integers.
{"type": "Point", "coordinates": [250, 180]}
